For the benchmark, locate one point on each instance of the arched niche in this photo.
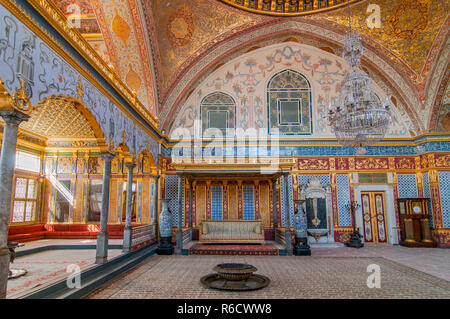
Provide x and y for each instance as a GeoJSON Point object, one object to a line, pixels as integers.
{"type": "Point", "coordinates": [218, 111]}
{"type": "Point", "coordinates": [289, 103]}
{"type": "Point", "coordinates": [147, 164]}
{"type": "Point", "coordinates": [62, 119]}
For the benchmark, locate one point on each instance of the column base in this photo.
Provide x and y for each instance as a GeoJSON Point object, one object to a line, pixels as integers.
{"type": "Point", "coordinates": [102, 248]}
{"type": "Point", "coordinates": [101, 260]}
{"type": "Point", "coordinates": [4, 270]}
{"type": "Point", "coordinates": [288, 242]}
{"type": "Point", "coordinates": [127, 239]}
{"type": "Point", "coordinates": [179, 247]}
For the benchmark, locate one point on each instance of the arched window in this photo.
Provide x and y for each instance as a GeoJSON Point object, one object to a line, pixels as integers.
{"type": "Point", "coordinates": [218, 110]}
{"type": "Point", "coordinates": [289, 104]}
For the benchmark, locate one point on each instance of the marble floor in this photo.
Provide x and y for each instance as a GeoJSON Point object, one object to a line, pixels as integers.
{"type": "Point", "coordinates": [47, 267]}
{"type": "Point", "coordinates": [330, 273]}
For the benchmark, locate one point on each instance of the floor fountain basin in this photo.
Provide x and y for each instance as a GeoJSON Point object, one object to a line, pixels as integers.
{"type": "Point", "coordinates": [235, 276]}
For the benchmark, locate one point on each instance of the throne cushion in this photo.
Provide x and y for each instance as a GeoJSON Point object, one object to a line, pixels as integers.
{"type": "Point", "coordinates": [232, 231]}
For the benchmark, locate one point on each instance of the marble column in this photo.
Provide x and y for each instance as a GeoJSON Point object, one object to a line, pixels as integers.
{"type": "Point", "coordinates": [275, 217]}
{"type": "Point", "coordinates": [129, 208]}
{"type": "Point", "coordinates": [101, 256]}
{"type": "Point", "coordinates": [156, 206]}
{"type": "Point", "coordinates": [12, 120]}
{"type": "Point", "coordinates": [287, 215]}
{"type": "Point", "coordinates": [190, 205]}
{"type": "Point", "coordinates": [180, 208]}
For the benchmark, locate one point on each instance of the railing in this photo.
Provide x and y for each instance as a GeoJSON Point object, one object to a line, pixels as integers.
{"type": "Point", "coordinates": [142, 236]}
{"type": "Point", "coordinates": [186, 235]}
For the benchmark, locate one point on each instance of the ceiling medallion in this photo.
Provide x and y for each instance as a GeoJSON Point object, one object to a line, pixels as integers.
{"type": "Point", "coordinates": [287, 7]}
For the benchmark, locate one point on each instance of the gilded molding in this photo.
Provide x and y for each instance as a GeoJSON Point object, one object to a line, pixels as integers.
{"type": "Point", "coordinates": [18, 102]}
{"type": "Point", "coordinates": [57, 19]}
{"type": "Point", "coordinates": [286, 8]}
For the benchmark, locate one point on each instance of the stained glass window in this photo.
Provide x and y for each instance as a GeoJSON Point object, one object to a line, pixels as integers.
{"type": "Point", "coordinates": [25, 200]}
{"type": "Point", "coordinates": [289, 104]}
{"type": "Point", "coordinates": [218, 111]}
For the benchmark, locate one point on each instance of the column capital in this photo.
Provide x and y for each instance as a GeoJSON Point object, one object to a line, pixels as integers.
{"type": "Point", "coordinates": [107, 156]}
{"type": "Point", "coordinates": [130, 165]}
{"type": "Point", "coordinates": [17, 106]}
{"type": "Point", "coordinates": [13, 117]}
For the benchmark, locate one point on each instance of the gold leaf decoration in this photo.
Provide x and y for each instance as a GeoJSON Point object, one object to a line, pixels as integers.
{"type": "Point", "coordinates": [121, 28]}
{"type": "Point", "coordinates": [133, 80]}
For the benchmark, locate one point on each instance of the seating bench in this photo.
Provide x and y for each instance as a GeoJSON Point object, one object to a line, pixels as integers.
{"type": "Point", "coordinates": [61, 231]}
{"type": "Point", "coordinates": [231, 231]}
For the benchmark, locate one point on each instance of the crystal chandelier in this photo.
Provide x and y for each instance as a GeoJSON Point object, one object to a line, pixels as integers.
{"type": "Point", "coordinates": [357, 117]}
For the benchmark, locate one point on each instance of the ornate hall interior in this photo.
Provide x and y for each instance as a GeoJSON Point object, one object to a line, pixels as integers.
{"type": "Point", "coordinates": [145, 143]}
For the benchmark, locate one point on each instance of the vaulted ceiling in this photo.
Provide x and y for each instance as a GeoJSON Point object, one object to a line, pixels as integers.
{"type": "Point", "coordinates": [162, 48]}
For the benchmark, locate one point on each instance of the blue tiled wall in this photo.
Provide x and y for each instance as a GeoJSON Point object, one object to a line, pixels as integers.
{"type": "Point", "coordinates": [248, 202]}
{"type": "Point", "coordinates": [216, 203]}
{"type": "Point", "coordinates": [407, 186]}
{"type": "Point", "coordinates": [444, 187]}
{"type": "Point", "coordinates": [172, 194]}
{"type": "Point", "coordinates": [343, 197]}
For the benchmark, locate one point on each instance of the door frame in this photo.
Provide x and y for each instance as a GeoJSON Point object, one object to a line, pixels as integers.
{"type": "Point", "coordinates": [391, 224]}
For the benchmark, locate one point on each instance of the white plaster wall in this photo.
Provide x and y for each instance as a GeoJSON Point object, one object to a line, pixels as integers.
{"type": "Point", "coordinates": [246, 78]}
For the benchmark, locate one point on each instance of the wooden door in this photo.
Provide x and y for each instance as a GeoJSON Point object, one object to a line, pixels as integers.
{"type": "Point", "coordinates": [373, 208]}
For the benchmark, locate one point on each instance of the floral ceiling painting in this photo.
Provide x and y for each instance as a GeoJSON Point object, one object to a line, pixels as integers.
{"type": "Point", "coordinates": [155, 46]}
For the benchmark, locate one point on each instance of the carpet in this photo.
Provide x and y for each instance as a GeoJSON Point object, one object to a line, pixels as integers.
{"type": "Point", "coordinates": [234, 249]}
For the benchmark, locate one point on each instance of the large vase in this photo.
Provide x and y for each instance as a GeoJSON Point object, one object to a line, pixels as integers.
{"type": "Point", "coordinates": [165, 226]}
{"type": "Point", "coordinates": [301, 247]}
{"type": "Point", "coordinates": [165, 230]}
{"type": "Point", "coordinates": [300, 225]}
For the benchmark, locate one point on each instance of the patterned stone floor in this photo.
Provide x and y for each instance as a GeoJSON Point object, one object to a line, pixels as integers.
{"type": "Point", "coordinates": [320, 276]}
{"type": "Point", "coordinates": [49, 266]}
{"type": "Point", "coordinates": [433, 261]}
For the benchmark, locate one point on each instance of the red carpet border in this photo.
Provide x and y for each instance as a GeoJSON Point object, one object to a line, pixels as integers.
{"type": "Point", "coordinates": [258, 250]}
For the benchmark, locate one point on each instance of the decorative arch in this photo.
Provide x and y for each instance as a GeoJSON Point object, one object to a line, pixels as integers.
{"type": "Point", "coordinates": [123, 149]}
{"type": "Point", "coordinates": [289, 104]}
{"type": "Point", "coordinates": [218, 110]}
{"type": "Point", "coordinates": [61, 116]}
{"type": "Point", "coordinates": [387, 67]}
{"type": "Point", "coordinates": [440, 108]}
{"type": "Point", "coordinates": [147, 163]}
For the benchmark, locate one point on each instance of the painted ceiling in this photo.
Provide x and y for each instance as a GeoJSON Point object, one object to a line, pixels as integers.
{"type": "Point", "coordinates": [58, 118]}
{"type": "Point", "coordinates": [155, 46]}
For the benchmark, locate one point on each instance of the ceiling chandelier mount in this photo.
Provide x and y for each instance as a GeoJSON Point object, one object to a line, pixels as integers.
{"type": "Point", "coordinates": [357, 117]}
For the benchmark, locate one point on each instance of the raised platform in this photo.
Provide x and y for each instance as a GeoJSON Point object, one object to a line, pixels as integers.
{"type": "Point", "coordinates": [267, 249]}
{"type": "Point", "coordinates": [28, 233]}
